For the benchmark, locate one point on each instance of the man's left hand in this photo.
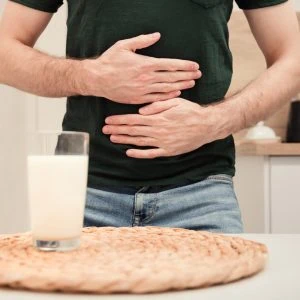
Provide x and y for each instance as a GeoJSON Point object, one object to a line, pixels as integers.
{"type": "Point", "coordinates": [171, 127]}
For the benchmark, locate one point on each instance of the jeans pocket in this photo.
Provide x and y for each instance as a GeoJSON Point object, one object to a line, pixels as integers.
{"type": "Point", "coordinates": [92, 199]}
{"type": "Point", "coordinates": [208, 3]}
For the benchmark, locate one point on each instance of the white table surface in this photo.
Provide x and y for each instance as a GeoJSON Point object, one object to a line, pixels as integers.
{"type": "Point", "coordinates": [280, 280]}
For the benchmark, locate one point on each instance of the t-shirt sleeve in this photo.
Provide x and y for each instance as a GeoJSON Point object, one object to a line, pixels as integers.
{"type": "Point", "coordinates": [50, 6]}
{"type": "Point", "coordinates": [252, 4]}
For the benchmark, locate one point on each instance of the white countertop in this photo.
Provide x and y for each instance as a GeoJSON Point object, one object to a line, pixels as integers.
{"type": "Point", "coordinates": [279, 281]}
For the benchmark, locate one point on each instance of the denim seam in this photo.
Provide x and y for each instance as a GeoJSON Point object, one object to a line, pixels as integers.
{"type": "Point", "coordinates": [152, 211]}
{"type": "Point", "coordinates": [136, 213]}
{"type": "Point", "coordinates": [219, 178]}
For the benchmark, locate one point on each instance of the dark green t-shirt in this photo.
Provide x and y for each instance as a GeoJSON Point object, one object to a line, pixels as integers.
{"type": "Point", "coordinates": [191, 29]}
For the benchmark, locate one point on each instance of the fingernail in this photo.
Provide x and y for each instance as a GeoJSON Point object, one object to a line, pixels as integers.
{"type": "Point", "coordinates": [196, 67]}
{"type": "Point", "coordinates": [156, 35]}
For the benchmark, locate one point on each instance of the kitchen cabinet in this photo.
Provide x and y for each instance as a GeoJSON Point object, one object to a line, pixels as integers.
{"type": "Point", "coordinates": [285, 194]}
{"type": "Point", "coordinates": [268, 190]}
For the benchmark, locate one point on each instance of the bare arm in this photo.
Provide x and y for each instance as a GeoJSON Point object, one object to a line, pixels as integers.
{"type": "Point", "coordinates": [277, 33]}
{"type": "Point", "coordinates": [25, 68]}
{"type": "Point", "coordinates": [35, 72]}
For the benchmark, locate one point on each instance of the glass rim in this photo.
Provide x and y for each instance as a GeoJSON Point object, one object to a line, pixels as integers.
{"type": "Point", "coordinates": [57, 132]}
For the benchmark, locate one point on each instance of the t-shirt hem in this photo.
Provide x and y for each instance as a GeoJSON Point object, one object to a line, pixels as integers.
{"type": "Point", "coordinates": [50, 8]}
{"type": "Point", "coordinates": [260, 4]}
{"type": "Point", "coordinates": [97, 183]}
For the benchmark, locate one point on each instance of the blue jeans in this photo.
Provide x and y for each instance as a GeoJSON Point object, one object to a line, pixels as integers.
{"type": "Point", "coordinates": [209, 204]}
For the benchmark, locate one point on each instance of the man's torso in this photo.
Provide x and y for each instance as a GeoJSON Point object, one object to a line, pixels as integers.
{"type": "Point", "coordinates": [191, 29]}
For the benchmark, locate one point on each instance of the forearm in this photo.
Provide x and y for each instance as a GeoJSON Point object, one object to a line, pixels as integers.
{"type": "Point", "coordinates": [264, 96]}
{"type": "Point", "coordinates": [32, 71]}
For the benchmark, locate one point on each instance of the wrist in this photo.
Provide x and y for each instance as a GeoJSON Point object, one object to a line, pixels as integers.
{"type": "Point", "coordinates": [75, 77]}
{"type": "Point", "coordinates": [89, 81]}
{"type": "Point", "coordinates": [229, 119]}
{"type": "Point", "coordinates": [83, 76]}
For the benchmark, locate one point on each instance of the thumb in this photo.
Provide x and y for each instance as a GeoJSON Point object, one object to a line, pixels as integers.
{"type": "Point", "coordinates": [141, 41]}
{"type": "Point", "coordinates": [158, 107]}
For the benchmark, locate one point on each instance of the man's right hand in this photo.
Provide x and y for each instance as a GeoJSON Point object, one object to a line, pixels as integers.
{"type": "Point", "coordinates": [124, 76]}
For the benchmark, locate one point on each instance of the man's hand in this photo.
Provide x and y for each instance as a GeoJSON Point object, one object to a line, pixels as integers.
{"type": "Point", "coordinates": [171, 127]}
{"type": "Point", "coordinates": [124, 76]}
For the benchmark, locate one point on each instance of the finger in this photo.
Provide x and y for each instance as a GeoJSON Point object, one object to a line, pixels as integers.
{"type": "Point", "coordinates": [158, 107]}
{"type": "Point", "coordinates": [167, 64]}
{"type": "Point", "coordinates": [137, 141]}
{"type": "Point", "coordinates": [139, 42]}
{"type": "Point", "coordinates": [155, 97]}
{"type": "Point", "coordinates": [146, 154]}
{"type": "Point", "coordinates": [128, 130]}
{"type": "Point", "coordinates": [170, 87]}
{"type": "Point", "coordinates": [129, 120]}
{"type": "Point", "coordinates": [160, 77]}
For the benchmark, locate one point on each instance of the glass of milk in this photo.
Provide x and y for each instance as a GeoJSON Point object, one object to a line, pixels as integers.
{"type": "Point", "coordinates": [57, 167]}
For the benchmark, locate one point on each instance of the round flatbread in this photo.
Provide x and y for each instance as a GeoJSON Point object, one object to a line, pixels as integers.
{"type": "Point", "coordinates": [130, 260]}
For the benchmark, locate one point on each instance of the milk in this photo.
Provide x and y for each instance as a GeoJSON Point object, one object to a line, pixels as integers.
{"type": "Point", "coordinates": [57, 192]}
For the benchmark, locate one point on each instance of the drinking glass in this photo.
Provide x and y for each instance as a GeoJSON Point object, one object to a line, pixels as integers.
{"type": "Point", "coordinates": [57, 167]}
